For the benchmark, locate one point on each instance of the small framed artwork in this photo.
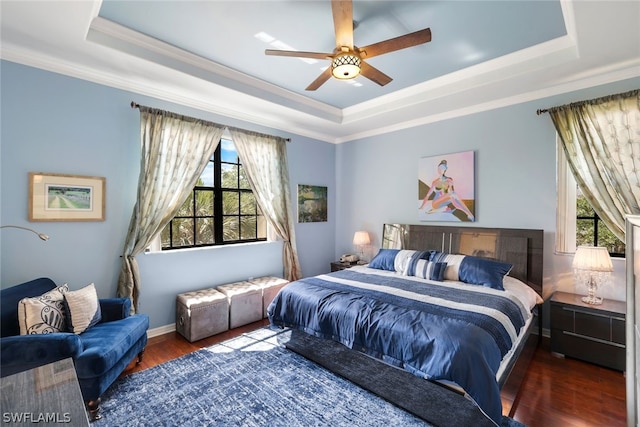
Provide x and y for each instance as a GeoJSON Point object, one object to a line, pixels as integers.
{"type": "Point", "coordinates": [312, 203]}
{"type": "Point", "coordinates": [446, 188]}
{"type": "Point", "coordinates": [57, 197]}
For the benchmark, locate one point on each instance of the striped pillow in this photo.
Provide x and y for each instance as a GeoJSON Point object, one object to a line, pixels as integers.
{"type": "Point", "coordinates": [83, 309]}
{"type": "Point", "coordinates": [426, 269]}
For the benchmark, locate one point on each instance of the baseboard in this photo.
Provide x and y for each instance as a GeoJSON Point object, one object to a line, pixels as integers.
{"type": "Point", "coordinates": [161, 330]}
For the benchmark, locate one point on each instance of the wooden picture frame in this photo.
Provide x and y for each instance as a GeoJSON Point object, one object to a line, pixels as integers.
{"type": "Point", "coordinates": [312, 203]}
{"type": "Point", "coordinates": [58, 197]}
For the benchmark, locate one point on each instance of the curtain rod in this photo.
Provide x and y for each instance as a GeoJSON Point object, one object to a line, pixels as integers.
{"type": "Point", "coordinates": [136, 105]}
{"type": "Point", "coordinates": [634, 92]}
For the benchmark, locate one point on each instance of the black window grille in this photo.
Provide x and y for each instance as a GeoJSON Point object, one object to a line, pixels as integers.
{"type": "Point", "coordinates": [221, 208]}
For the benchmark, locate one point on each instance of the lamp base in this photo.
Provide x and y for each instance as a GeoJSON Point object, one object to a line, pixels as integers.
{"type": "Point", "coordinates": [592, 300]}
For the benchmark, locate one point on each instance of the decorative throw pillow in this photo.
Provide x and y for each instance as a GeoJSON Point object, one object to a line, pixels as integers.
{"type": "Point", "coordinates": [483, 271]}
{"type": "Point", "coordinates": [406, 260]}
{"type": "Point", "coordinates": [43, 314]}
{"type": "Point", "coordinates": [82, 308]}
{"type": "Point", "coordinates": [402, 260]}
{"type": "Point", "coordinates": [429, 270]}
{"type": "Point", "coordinates": [384, 260]}
{"type": "Point", "coordinates": [453, 264]}
{"type": "Point", "coordinates": [474, 270]}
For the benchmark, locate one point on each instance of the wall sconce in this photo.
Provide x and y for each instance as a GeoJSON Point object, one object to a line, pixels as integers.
{"type": "Point", "coordinates": [40, 235]}
{"type": "Point", "coordinates": [360, 240]}
{"type": "Point", "coordinates": [592, 266]}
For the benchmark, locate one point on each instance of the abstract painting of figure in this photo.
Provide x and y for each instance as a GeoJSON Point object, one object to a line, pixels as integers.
{"type": "Point", "coordinates": [446, 186]}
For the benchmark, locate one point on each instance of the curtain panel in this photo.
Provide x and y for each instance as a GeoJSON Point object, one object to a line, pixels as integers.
{"type": "Point", "coordinates": [264, 158]}
{"type": "Point", "coordinates": [601, 139]}
{"type": "Point", "coordinates": [175, 151]}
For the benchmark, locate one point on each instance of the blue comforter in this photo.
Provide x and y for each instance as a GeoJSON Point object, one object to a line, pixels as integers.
{"type": "Point", "coordinates": [437, 332]}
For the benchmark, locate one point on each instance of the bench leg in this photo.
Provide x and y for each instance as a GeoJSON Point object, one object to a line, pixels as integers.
{"type": "Point", "coordinates": [140, 355]}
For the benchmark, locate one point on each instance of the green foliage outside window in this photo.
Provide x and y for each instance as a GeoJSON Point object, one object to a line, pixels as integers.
{"type": "Point", "coordinates": [202, 222]}
{"type": "Point", "coordinates": [586, 235]}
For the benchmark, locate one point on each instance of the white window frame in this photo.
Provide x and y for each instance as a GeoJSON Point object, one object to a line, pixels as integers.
{"type": "Point", "coordinates": [566, 206]}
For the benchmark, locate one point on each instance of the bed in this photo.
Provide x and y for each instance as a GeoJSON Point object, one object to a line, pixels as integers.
{"type": "Point", "coordinates": [455, 305]}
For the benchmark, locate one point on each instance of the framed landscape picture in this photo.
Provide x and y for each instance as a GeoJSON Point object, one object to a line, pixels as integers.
{"type": "Point", "coordinates": [57, 197]}
{"type": "Point", "coordinates": [446, 187]}
{"type": "Point", "coordinates": [312, 203]}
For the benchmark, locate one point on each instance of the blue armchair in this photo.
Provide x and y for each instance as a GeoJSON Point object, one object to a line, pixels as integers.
{"type": "Point", "coordinates": [100, 354]}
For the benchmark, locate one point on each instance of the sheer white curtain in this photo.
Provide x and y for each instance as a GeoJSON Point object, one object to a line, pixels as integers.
{"type": "Point", "coordinates": [264, 158]}
{"type": "Point", "coordinates": [601, 139]}
{"type": "Point", "coordinates": [175, 151]}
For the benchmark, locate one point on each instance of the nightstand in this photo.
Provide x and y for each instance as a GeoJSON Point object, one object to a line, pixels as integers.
{"type": "Point", "coordinates": [593, 333]}
{"type": "Point", "coordinates": [339, 265]}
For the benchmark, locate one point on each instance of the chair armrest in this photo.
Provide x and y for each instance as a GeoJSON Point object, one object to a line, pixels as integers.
{"type": "Point", "coordinates": [23, 352]}
{"type": "Point", "coordinates": [115, 309]}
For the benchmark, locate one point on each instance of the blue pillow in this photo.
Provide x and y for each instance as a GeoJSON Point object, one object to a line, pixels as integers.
{"type": "Point", "coordinates": [384, 260]}
{"type": "Point", "coordinates": [483, 271]}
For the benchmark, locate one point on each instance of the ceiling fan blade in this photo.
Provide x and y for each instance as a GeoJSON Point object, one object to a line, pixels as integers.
{"type": "Point", "coordinates": [374, 74]}
{"type": "Point", "coordinates": [343, 22]}
{"type": "Point", "coordinates": [299, 54]}
{"type": "Point", "coordinates": [397, 43]}
{"type": "Point", "coordinates": [326, 75]}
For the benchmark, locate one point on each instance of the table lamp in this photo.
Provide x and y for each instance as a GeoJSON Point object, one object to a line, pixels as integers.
{"type": "Point", "coordinates": [360, 240]}
{"type": "Point", "coordinates": [592, 266]}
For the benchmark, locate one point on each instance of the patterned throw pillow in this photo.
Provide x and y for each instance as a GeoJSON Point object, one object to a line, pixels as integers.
{"type": "Point", "coordinates": [82, 309]}
{"type": "Point", "coordinates": [43, 314]}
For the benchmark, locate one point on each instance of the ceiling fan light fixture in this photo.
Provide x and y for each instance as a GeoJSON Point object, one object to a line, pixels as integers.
{"type": "Point", "coordinates": [345, 66]}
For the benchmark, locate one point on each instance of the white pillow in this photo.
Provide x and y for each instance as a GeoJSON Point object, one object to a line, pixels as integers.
{"type": "Point", "coordinates": [44, 314]}
{"type": "Point", "coordinates": [524, 293]}
{"type": "Point", "coordinates": [83, 309]}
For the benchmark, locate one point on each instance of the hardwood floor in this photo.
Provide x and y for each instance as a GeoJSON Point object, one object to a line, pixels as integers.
{"type": "Point", "coordinates": [555, 392]}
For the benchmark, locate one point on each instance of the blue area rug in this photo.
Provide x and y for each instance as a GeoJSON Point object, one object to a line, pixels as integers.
{"type": "Point", "coordinates": [247, 381]}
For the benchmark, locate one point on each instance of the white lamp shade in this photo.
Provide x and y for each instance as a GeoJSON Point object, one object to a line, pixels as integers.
{"type": "Point", "coordinates": [361, 238]}
{"type": "Point", "coordinates": [593, 258]}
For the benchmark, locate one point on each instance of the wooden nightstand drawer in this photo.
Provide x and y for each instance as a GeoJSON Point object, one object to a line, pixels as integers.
{"type": "Point", "coordinates": [562, 318]}
{"type": "Point", "coordinates": [592, 325]}
{"type": "Point", "coordinates": [618, 332]}
{"type": "Point", "coordinates": [593, 333]}
{"type": "Point", "coordinates": [589, 350]}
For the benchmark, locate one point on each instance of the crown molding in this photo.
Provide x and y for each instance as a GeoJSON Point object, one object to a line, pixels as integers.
{"type": "Point", "coordinates": [110, 34]}
{"type": "Point", "coordinates": [606, 75]}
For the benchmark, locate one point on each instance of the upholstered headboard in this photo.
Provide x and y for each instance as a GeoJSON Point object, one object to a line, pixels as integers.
{"type": "Point", "coordinates": [520, 247]}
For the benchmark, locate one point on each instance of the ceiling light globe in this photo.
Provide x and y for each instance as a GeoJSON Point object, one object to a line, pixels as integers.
{"type": "Point", "coordinates": [345, 66]}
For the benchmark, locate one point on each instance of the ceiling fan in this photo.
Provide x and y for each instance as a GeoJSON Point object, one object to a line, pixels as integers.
{"type": "Point", "coordinates": [347, 60]}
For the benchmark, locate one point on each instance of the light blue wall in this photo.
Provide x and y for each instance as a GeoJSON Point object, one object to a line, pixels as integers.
{"type": "Point", "coordinates": [52, 123]}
